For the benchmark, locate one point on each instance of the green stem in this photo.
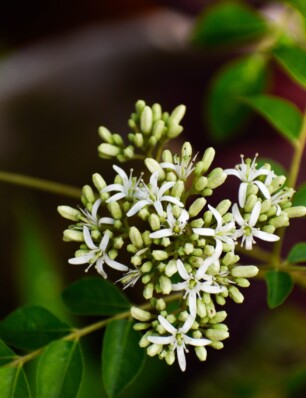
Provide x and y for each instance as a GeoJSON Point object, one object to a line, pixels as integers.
{"type": "Point", "coordinates": [76, 334]}
{"type": "Point", "coordinates": [256, 253]}
{"type": "Point", "coordinates": [292, 178]}
{"type": "Point", "coordinates": [40, 184]}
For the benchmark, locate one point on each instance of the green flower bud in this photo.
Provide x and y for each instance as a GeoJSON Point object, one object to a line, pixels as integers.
{"type": "Point", "coordinates": [118, 242]}
{"type": "Point", "coordinates": [262, 218]}
{"type": "Point", "coordinates": [167, 156]}
{"type": "Point", "coordinates": [207, 192]}
{"type": "Point", "coordinates": [201, 309]}
{"type": "Point", "coordinates": [174, 130]}
{"type": "Point", "coordinates": [230, 258]}
{"type": "Point", "coordinates": [115, 210]}
{"type": "Point", "coordinates": [165, 284]}
{"type": "Point", "coordinates": [160, 305]}
{"type": "Point", "coordinates": [70, 235]}
{"type": "Point", "coordinates": [146, 120]}
{"type": "Point", "coordinates": [235, 294]}
{"type": "Point", "coordinates": [128, 152]}
{"type": "Point", "coordinates": [108, 150]}
{"type": "Point", "coordinates": [217, 345]}
{"type": "Point", "coordinates": [158, 129]}
{"type": "Point", "coordinates": [198, 223]}
{"type": "Point", "coordinates": [144, 342]}
{"type": "Point", "coordinates": [96, 234]}
{"type": "Point", "coordinates": [139, 106]}
{"type": "Point", "coordinates": [148, 291]}
{"type": "Point", "coordinates": [146, 267]}
{"type": "Point", "coordinates": [250, 203]}
{"type": "Point", "coordinates": [216, 178]}
{"type": "Point", "coordinates": [154, 166]}
{"type": "Point", "coordinates": [199, 168]}
{"type": "Point", "coordinates": [265, 206]}
{"type": "Point", "coordinates": [154, 349]}
{"type": "Point", "coordinates": [220, 300]}
{"type": "Point", "coordinates": [146, 279]}
{"type": "Point", "coordinates": [242, 282]}
{"type": "Point", "coordinates": [186, 151]}
{"type": "Point", "coordinates": [201, 183]}
{"type": "Point", "coordinates": [178, 189]}
{"type": "Point", "coordinates": [296, 211]}
{"type": "Point", "coordinates": [276, 183]}
{"type": "Point", "coordinates": [141, 326]}
{"type": "Point", "coordinates": [177, 115]}
{"type": "Point", "coordinates": [98, 181]}
{"type": "Point", "coordinates": [196, 207]}
{"type": "Point", "coordinates": [216, 335]}
{"type": "Point", "coordinates": [140, 315]}
{"type": "Point", "coordinates": [138, 140]}
{"type": "Point", "coordinates": [105, 134]}
{"type": "Point", "coordinates": [88, 194]}
{"type": "Point", "coordinates": [280, 221]}
{"type": "Point", "coordinates": [135, 237]}
{"type": "Point", "coordinates": [188, 248]}
{"type": "Point", "coordinates": [69, 213]}
{"type": "Point", "coordinates": [170, 357]}
{"type": "Point", "coordinates": [201, 353]}
{"type": "Point", "coordinates": [223, 206]}
{"type": "Point", "coordinates": [159, 255]}
{"type": "Point", "coordinates": [244, 271]}
{"type": "Point", "coordinates": [157, 111]}
{"type": "Point", "coordinates": [208, 158]}
{"type": "Point", "coordinates": [269, 228]}
{"type": "Point", "coordinates": [170, 268]}
{"type": "Point", "coordinates": [219, 317]}
{"type": "Point", "coordinates": [252, 189]}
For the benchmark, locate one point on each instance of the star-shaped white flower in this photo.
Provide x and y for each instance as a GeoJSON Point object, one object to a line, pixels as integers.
{"type": "Point", "coordinates": [92, 218]}
{"type": "Point", "coordinates": [279, 197]}
{"type": "Point", "coordinates": [247, 228]}
{"type": "Point", "coordinates": [182, 168]}
{"type": "Point", "coordinates": [247, 172]}
{"type": "Point", "coordinates": [193, 284]}
{"type": "Point", "coordinates": [178, 339]}
{"type": "Point", "coordinates": [177, 226]}
{"type": "Point", "coordinates": [125, 190]}
{"type": "Point", "coordinates": [97, 255]}
{"type": "Point", "coordinates": [153, 195]}
{"type": "Point", "coordinates": [130, 278]}
{"type": "Point", "coordinates": [223, 233]}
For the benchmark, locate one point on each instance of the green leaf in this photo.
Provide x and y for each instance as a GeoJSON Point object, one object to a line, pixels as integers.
{"type": "Point", "coordinates": [293, 60]}
{"type": "Point", "coordinates": [275, 166]}
{"type": "Point", "coordinates": [299, 198]}
{"type": "Point", "coordinates": [122, 358]}
{"type": "Point", "coordinates": [279, 286]}
{"type": "Point", "coordinates": [227, 23]}
{"type": "Point", "coordinates": [30, 328]}
{"type": "Point", "coordinates": [282, 114]}
{"type": "Point", "coordinates": [297, 253]}
{"type": "Point", "coordinates": [95, 296]}
{"type": "Point", "coordinates": [300, 5]}
{"type": "Point", "coordinates": [59, 371]}
{"type": "Point", "coordinates": [6, 354]}
{"type": "Point", "coordinates": [13, 383]}
{"type": "Point", "coordinates": [226, 112]}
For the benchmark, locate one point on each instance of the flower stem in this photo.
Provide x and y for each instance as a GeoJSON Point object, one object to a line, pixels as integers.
{"type": "Point", "coordinates": [40, 184]}
{"type": "Point", "coordinates": [76, 334]}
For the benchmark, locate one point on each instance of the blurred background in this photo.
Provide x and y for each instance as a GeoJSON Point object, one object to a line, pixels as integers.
{"type": "Point", "coordinates": [68, 67]}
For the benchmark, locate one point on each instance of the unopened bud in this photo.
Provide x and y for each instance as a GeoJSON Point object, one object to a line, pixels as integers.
{"type": "Point", "coordinates": [196, 207]}
{"type": "Point", "coordinates": [146, 120]}
{"type": "Point", "coordinates": [105, 134]}
{"type": "Point", "coordinates": [177, 114]}
{"type": "Point", "coordinates": [280, 221]}
{"type": "Point", "coordinates": [201, 183]}
{"type": "Point", "coordinates": [208, 158]}
{"type": "Point", "coordinates": [158, 129]}
{"type": "Point", "coordinates": [235, 294]}
{"type": "Point", "coordinates": [88, 194]}
{"type": "Point", "coordinates": [69, 213]}
{"type": "Point", "coordinates": [250, 203]}
{"type": "Point", "coordinates": [201, 353]}
{"type": "Point", "coordinates": [296, 211]}
{"type": "Point", "coordinates": [98, 181]}
{"type": "Point", "coordinates": [170, 357]}
{"type": "Point", "coordinates": [135, 237]}
{"type": "Point", "coordinates": [72, 235]}
{"type": "Point", "coordinates": [171, 268]}
{"type": "Point", "coordinates": [178, 189]}
{"type": "Point", "coordinates": [154, 167]}
{"type": "Point", "coordinates": [148, 291]}
{"type": "Point", "coordinates": [167, 156]}
{"type": "Point", "coordinates": [140, 315]}
{"type": "Point", "coordinates": [216, 178]}
{"type": "Point", "coordinates": [165, 284]}
{"type": "Point", "coordinates": [154, 349]}
{"type": "Point", "coordinates": [138, 140]}
{"type": "Point", "coordinates": [108, 150]}
{"type": "Point", "coordinates": [223, 206]}
{"type": "Point", "coordinates": [244, 271]}
{"type": "Point", "coordinates": [115, 210]}
{"type": "Point", "coordinates": [159, 255]}
{"type": "Point", "coordinates": [216, 334]}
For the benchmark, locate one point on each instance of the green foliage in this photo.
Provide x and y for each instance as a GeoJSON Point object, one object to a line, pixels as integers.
{"type": "Point", "coordinates": [122, 358]}
{"type": "Point", "coordinates": [59, 370]}
{"type": "Point", "coordinates": [297, 253]}
{"type": "Point", "coordinates": [293, 60]}
{"type": "Point", "coordinates": [13, 383]}
{"type": "Point", "coordinates": [300, 196]}
{"type": "Point", "coordinates": [278, 168]}
{"type": "Point", "coordinates": [95, 296]}
{"type": "Point", "coordinates": [6, 354]}
{"type": "Point", "coordinates": [228, 23]}
{"type": "Point", "coordinates": [283, 115]}
{"type": "Point", "coordinates": [279, 285]}
{"type": "Point", "coordinates": [300, 5]}
{"type": "Point", "coordinates": [32, 327]}
{"type": "Point", "coordinates": [244, 77]}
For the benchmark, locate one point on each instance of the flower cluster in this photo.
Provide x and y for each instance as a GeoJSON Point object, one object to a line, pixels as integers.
{"type": "Point", "coordinates": [160, 232]}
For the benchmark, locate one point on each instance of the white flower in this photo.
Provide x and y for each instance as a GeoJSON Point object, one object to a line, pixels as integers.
{"type": "Point", "coordinates": [182, 168]}
{"type": "Point", "coordinates": [176, 225]}
{"type": "Point", "coordinates": [178, 339]}
{"type": "Point", "coordinates": [193, 284]}
{"type": "Point", "coordinates": [130, 278]}
{"type": "Point", "coordinates": [125, 190]}
{"type": "Point", "coordinates": [92, 219]}
{"type": "Point", "coordinates": [97, 255]}
{"type": "Point", "coordinates": [279, 197]}
{"type": "Point", "coordinates": [223, 233]}
{"type": "Point", "coordinates": [153, 195]}
{"type": "Point", "coordinates": [247, 172]}
{"type": "Point", "coordinates": [248, 230]}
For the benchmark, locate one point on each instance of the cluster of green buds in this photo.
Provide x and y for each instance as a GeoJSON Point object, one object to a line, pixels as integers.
{"type": "Point", "coordinates": [178, 246]}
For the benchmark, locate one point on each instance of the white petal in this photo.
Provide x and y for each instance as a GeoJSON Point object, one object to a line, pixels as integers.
{"type": "Point", "coordinates": [104, 241]}
{"type": "Point", "coordinates": [114, 264]}
{"type": "Point", "coordinates": [166, 324]}
{"type": "Point", "coordinates": [196, 342]}
{"type": "Point", "coordinates": [162, 233]}
{"type": "Point", "coordinates": [182, 270]}
{"type": "Point", "coordinates": [263, 189]}
{"type": "Point", "coordinates": [170, 217]}
{"type": "Point", "coordinates": [99, 267]}
{"type": "Point", "coordinates": [81, 259]}
{"type": "Point", "coordinates": [187, 325]}
{"type": "Point", "coordinates": [88, 240]}
{"type": "Point", "coordinates": [116, 197]}
{"type": "Point", "coordinates": [265, 236]}
{"type": "Point", "coordinates": [211, 289]}
{"type": "Point", "coordinates": [112, 187]}
{"type": "Point", "coordinates": [106, 220]}
{"type": "Point", "coordinates": [184, 217]}
{"type": "Point", "coordinates": [255, 214]}
{"type": "Point", "coordinates": [165, 187]}
{"type": "Point", "coordinates": [237, 216]}
{"type": "Point", "coordinates": [173, 200]}
{"type": "Point", "coordinates": [204, 231]}
{"type": "Point", "coordinates": [181, 357]}
{"type": "Point", "coordinates": [162, 340]}
{"type": "Point", "coordinates": [136, 207]}
{"type": "Point", "coordinates": [167, 165]}
{"type": "Point", "coordinates": [217, 216]}
{"type": "Point", "coordinates": [233, 172]}
{"type": "Point", "coordinates": [95, 208]}
{"type": "Point", "coordinates": [203, 268]}
{"type": "Point", "coordinates": [158, 207]}
{"type": "Point", "coordinates": [242, 193]}
{"type": "Point", "coordinates": [121, 173]}
{"type": "Point", "coordinates": [218, 249]}
{"type": "Point", "coordinates": [179, 286]}
{"type": "Point", "coordinates": [248, 242]}
{"type": "Point", "coordinates": [153, 179]}
{"type": "Point", "coordinates": [192, 303]}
